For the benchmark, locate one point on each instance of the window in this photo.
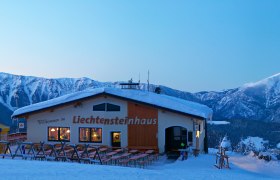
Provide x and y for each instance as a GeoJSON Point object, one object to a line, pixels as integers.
{"type": "Point", "coordinates": [96, 135]}
{"type": "Point", "coordinates": [179, 134]}
{"type": "Point", "coordinates": [91, 135]}
{"type": "Point", "coordinates": [112, 107]}
{"type": "Point", "coordinates": [84, 135]}
{"type": "Point", "coordinates": [99, 107]}
{"type": "Point", "coordinates": [58, 134]}
{"type": "Point", "coordinates": [106, 107]}
{"type": "Point", "coordinates": [53, 134]}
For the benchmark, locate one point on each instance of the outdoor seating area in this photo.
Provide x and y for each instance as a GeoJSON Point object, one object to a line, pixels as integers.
{"type": "Point", "coordinates": [81, 153]}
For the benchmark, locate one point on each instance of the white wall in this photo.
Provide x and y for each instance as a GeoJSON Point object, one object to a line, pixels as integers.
{"type": "Point", "coordinates": [64, 115]}
{"type": "Point", "coordinates": [38, 132]}
{"type": "Point", "coordinates": [168, 119]}
{"type": "Point", "coordinates": [201, 134]}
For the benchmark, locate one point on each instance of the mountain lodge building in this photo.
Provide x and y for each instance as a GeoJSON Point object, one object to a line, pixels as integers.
{"type": "Point", "coordinates": [130, 118]}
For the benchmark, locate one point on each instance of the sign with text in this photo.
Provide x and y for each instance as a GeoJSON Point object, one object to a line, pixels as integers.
{"type": "Point", "coordinates": [114, 121]}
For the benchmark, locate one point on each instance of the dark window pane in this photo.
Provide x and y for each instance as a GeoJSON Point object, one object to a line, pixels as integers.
{"type": "Point", "coordinates": [190, 136]}
{"type": "Point", "coordinates": [112, 107]}
{"type": "Point", "coordinates": [177, 131]}
{"type": "Point", "coordinates": [184, 132]}
{"type": "Point", "coordinates": [99, 107]}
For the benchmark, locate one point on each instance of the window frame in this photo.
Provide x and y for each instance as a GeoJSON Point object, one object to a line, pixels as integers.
{"type": "Point", "coordinates": [91, 133]}
{"type": "Point", "coordinates": [99, 107]}
{"type": "Point", "coordinates": [80, 134]}
{"type": "Point", "coordinates": [113, 107]}
{"type": "Point", "coordinates": [106, 109]}
{"type": "Point", "coordinates": [58, 134]}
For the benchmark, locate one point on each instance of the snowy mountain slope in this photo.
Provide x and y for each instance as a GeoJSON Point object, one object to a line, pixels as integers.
{"type": "Point", "coordinates": [18, 91]}
{"type": "Point", "coordinates": [253, 101]}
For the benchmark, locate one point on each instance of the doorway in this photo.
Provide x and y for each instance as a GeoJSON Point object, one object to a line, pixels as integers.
{"type": "Point", "coordinates": [116, 139]}
{"type": "Point", "coordinates": [175, 138]}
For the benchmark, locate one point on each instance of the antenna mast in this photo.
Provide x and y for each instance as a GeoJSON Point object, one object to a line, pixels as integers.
{"type": "Point", "coordinates": [148, 80]}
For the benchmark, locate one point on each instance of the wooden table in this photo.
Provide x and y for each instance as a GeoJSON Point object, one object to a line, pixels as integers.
{"type": "Point", "coordinates": [134, 151]}
{"type": "Point", "coordinates": [138, 157]}
{"type": "Point", "coordinates": [116, 158]}
{"type": "Point", "coordinates": [111, 153]}
{"type": "Point", "coordinates": [104, 149]}
{"type": "Point", "coordinates": [149, 152]}
{"type": "Point", "coordinates": [118, 150]}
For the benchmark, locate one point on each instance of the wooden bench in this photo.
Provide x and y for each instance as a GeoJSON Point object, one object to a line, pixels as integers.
{"type": "Point", "coordinates": [144, 148]}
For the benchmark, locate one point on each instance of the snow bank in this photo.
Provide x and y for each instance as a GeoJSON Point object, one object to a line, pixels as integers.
{"type": "Point", "coordinates": [256, 142]}
{"type": "Point", "coordinates": [256, 165]}
{"type": "Point", "coordinates": [201, 167]}
{"type": "Point", "coordinates": [225, 143]}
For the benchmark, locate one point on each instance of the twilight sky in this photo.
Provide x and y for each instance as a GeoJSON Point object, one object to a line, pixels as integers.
{"type": "Point", "coordinates": [187, 45]}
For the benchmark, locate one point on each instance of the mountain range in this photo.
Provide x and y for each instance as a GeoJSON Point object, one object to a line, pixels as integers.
{"type": "Point", "coordinates": [259, 101]}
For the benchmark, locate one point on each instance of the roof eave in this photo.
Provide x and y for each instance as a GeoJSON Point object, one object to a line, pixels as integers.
{"type": "Point", "coordinates": [113, 95]}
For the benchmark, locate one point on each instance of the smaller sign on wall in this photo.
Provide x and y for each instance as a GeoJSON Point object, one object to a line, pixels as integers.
{"type": "Point", "coordinates": [45, 121]}
{"type": "Point", "coordinates": [21, 125]}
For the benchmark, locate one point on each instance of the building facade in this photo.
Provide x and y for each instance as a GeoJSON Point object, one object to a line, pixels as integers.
{"type": "Point", "coordinates": [119, 118]}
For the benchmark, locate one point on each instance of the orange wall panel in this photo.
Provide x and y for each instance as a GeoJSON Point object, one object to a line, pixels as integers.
{"type": "Point", "coordinates": [142, 135]}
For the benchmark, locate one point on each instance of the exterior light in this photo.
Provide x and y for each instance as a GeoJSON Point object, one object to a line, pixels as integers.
{"type": "Point", "coordinates": [197, 134]}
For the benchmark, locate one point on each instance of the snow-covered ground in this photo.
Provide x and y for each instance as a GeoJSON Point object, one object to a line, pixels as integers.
{"type": "Point", "coordinates": [201, 167]}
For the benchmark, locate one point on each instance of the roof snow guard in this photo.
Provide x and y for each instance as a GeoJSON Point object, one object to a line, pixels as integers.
{"type": "Point", "coordinates": [157, 100]}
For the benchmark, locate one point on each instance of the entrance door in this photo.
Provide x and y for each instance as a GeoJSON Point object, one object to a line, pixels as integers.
{"type": "Point", "coordinates": [175, 138]}
{"type": "Point", "coordinates": [116, 139]}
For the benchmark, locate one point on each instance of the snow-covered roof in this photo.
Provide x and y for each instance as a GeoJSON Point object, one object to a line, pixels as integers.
{"type": "Point", "coordinates": [159, 100]}
{"type": "Point", "coordinates": [218, 122]}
